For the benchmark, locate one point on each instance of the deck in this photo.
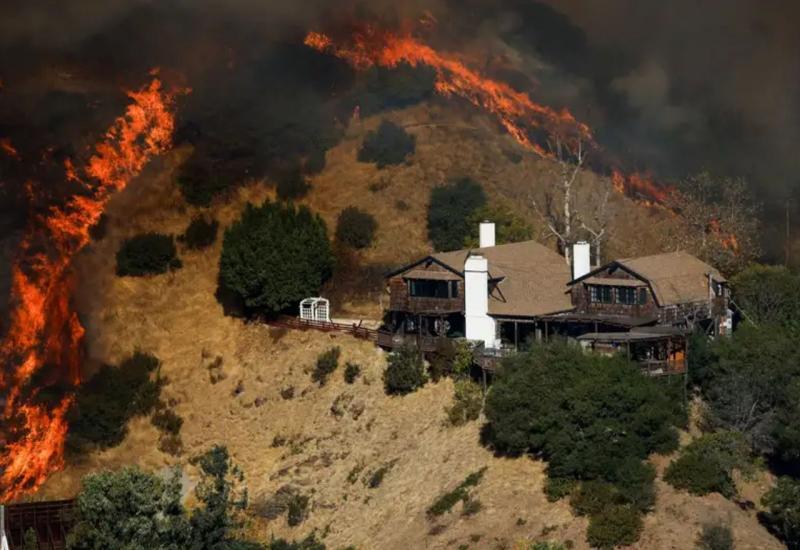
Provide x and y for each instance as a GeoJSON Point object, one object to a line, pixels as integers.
{"type": "Point", "coordinates": [51, 520]}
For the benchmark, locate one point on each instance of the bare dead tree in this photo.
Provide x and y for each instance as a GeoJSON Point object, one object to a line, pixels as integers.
{"type": "Point", "coordinates": [559, 210]}
{"type": "Point", "coordinates": [599, 225]}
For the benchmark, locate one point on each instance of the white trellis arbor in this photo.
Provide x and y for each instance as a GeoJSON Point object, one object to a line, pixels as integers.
{"type": "Point", "coordinates": [315, 309]}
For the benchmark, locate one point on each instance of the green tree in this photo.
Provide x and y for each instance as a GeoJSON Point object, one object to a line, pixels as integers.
{"type": "Point", "coordinates": [450, 212]}
{"type": "Point", "coordinates": [389, 144]}
{"type": "Point", "coordinates": [510, 227]}
{"type": "Point", "coordinates": [594, 419]}
{"type": "Point", "coordinates": [214, 523]}
{"type": "Point", "coordinates": [768, 294]}
{"type": "Point", "coordinates": [275, 255]}
{"type": "Point", "coordinates": [751, 387]}
{"type": "Point", "coordinates": [405, 372]}
{"type": "Point", "coordinates": [147, 254]}
{"type": "Point", "coordinates": [355, 228]}
{"type": "Point", "coordinates": [128, 510]}
{"type": "Point", "coordinates": [782, 517]}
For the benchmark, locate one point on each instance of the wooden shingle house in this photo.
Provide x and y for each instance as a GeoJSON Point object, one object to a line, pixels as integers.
{"type": "Point", "coordinates": [506, 296]}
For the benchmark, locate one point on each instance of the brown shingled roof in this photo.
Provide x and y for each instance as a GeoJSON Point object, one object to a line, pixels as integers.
{"type": "Point", "coordinates": [531, 278]}
{"type": "Point", "coordinates": [675, 277]}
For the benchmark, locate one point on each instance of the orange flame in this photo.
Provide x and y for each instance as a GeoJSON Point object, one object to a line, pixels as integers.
{"type": "Point", "coordinates": [641, 188]}
{"type": "Point", "coordinates": [44, 329]}
{"type": "Point", "coordinates": [516, 111]}
{"type": "Point", "coordinates": [369, 46]}
{"type": "Point", "coordinates": [8, 148]}
{"type": "Point", "coordinates": [727, 240]}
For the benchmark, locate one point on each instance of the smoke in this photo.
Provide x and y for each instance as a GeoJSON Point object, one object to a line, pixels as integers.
{"type": "Point", "coordinates": [672, 88]}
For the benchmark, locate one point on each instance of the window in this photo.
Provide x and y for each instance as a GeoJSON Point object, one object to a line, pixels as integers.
{"type": "Point", "coordinates": [454, 289]}
{"type": "Point", "coordinates": [600, 294]}
{"type": "Point", "coordinates": [642, 296]}
{"type": "Point", "coordinates": [420, 288]}
{"type": "Point", "coordinates": [626, 295]}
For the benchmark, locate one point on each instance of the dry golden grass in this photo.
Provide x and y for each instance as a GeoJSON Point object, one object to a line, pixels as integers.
{"type": "Point", "coordinates": [301, 441]}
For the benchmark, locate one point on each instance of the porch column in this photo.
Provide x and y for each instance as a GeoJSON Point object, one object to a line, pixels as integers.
{"type": "Point", "coordinates": [516, 336]}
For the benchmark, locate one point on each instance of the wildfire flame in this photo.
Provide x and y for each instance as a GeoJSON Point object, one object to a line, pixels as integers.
{"type": "Point", "coordinates": [516, 111]}
{"type": "Point", "coordinates": [727, 240]}
{"type": "Point", "coordinates": [44, 329]}
{"type": "Point", "coordinates": [8, 148]}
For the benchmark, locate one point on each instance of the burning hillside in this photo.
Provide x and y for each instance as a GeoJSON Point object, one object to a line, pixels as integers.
{"type": "Point", "coordinates": [43, 340]}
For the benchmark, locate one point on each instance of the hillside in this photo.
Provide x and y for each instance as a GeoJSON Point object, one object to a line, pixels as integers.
{"type": "Point", "coordinates": [328, 442]}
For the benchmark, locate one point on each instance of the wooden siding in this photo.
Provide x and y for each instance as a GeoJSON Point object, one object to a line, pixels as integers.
{"type": "Point", "coordinates": [401, 300]}
{"type": "Point", "coordinates": [581, 298]}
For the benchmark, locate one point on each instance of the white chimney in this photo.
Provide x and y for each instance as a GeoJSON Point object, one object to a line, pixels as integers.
{"type": "Point", "coordinates": [486, 232]}
{"type": "Point", "coordinates": [479, 325]}
{"type": "Point", "coordinates": [581, 259]}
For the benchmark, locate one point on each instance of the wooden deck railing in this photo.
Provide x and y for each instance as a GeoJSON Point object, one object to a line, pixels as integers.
{"type": "Point", "coordinates": [50, 520]}
{"type": "Point", "coordinates": [353, 329]}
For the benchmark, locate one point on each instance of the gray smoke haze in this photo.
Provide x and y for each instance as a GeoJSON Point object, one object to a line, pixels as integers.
{"type": "Point", "coordinates": [673, 87]}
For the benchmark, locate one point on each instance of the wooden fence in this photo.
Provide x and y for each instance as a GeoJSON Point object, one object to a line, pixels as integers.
{"type": "Point", "coordinates": [284, 321]}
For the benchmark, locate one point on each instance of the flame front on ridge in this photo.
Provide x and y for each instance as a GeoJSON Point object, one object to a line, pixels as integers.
{"type": "Point", "coordinates": [43, 328]}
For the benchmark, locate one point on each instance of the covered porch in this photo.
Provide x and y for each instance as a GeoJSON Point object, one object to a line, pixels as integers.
{"type": "Point", "coordinates": [659, 350]}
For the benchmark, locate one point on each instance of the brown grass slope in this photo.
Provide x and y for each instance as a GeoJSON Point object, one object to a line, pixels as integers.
{"type": "Point", "coordinates": [327, 442]}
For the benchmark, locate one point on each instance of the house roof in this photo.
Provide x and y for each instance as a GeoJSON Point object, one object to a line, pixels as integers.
{"type": "Point", "coordinates": [431, 275]}
{"type": "Point", "coordinates": [613, 281]}
{"type": "Point", "coordinates": [530, 278]}
{"type": "Point", "coordinates": [675, 277]}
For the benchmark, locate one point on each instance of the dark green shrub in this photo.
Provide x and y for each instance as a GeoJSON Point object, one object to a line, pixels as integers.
{"type": "Point", "coordinates": [556, 488]}
{"type": "Point", "coordinates": [351, 372]}
{"type": "Point", "coordinates": [377, 476]}
{"type": "Point", "coordinates": [592, 497]}
{"type": "Point", "coordinates": [297, 510]}
{"type": "Point", "coordinates": [327, 362]}
{"type": "Point", "coordinates": [614, 526]}
{"type": "Point", "coordinates": [751, 385]}
{"type": "Point", "coordinates": [634, 481]}
{"type": "Point", "coordinates": [147, 254]}
{"type": "Point", "coordinates": [201, 233]}
{"type": "Point", "coordinates": [615, 414]}
{"type": "Point", "coordinates": [510, 227]}
{"type": "Point", "coordinates": [768, 294]}
{"type": "Point", "coordinates": [450, 210]}
{"type": "Point", "coordinates": [451, 358]}
{"type": "Point", "coordinates": [355, 227]}
{"type": "Point", "coordinates": [114, 395]}
{"type": "Point", "coordinates": [199, 184]}
{"type": "Point", "coordinates": [389, 144]}
{"type": "Point", "coordinates": [446, 501]}
{"type": "Point", "coordinates": [467, 403]}
{"type": "Point", "coordinates": [405, 372]}
{"type": "Point", "coordinates": [706, 465]}
{"type": "Point", "coordinates": [167, 421]}
{"type": "Point", "coordinates": [275, 255]}
{"type": "Point", "coordinates": [715, 536]}
{"type": "Point", "coordinates": [470, 506]}
{"type": "Point", "coordinates": [291, 185]}
{"type": "Point", "coordinates": [308, 543]}
{"type": "Point", "coordinates": [592, 418]}
{"type": "Point", "coordinates": [782, 516]}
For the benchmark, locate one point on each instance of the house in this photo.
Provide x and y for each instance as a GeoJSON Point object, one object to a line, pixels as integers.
{"type": "Point", "coordinates": [502, 296]}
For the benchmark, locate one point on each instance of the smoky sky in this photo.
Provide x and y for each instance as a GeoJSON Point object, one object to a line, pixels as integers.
{"type": "Point", "coordinates": [669, 87]}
